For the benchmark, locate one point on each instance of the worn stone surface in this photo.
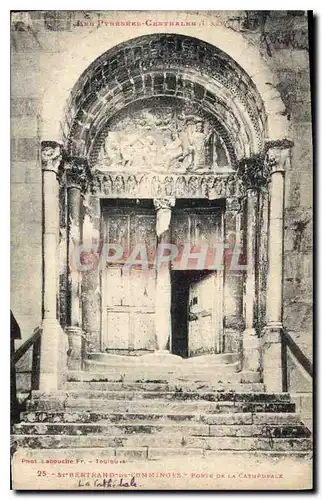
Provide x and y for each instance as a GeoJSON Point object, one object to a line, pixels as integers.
{"type": "Point", "coordinates": [147, 417]}
{"type": "Point", "coordinates": [137, 441]}
{"type": "Point", "coordinates": [281, 39]}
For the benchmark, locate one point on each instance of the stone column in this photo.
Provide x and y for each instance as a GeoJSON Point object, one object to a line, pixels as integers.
{"type": "Point", "coordinates": [163, 323]}
{"type": "Point", "coordinates": [76, 180]}
{"type": "Point", "coordinates": [91, 293]}
{"type": "Point", "coordinates": [277, 159]}
{"type": "Point", "coordinates": [250, 338]}
{"type": "Point", "coordinates": [53, 347]}
{"type": "Point", "coordinates": [233, 277]}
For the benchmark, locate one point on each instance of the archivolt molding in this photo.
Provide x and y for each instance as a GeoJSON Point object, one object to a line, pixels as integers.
{"type": "Point", "coordinates": [90, 45]}
{"type": "Point", "coordinates": [165, 65]}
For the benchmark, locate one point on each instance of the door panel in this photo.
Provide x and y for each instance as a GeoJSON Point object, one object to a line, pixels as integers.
{"type": "Point", "coordinates": [144, 322]}
{"type": "Point", "coordinates": [128, 295]}
{"type": "Point", "coordinates": [117, 330]}
{"type": "Point", "coordinates": [198, 229]}
{"type": "Point", "coordinates": [202, 331]}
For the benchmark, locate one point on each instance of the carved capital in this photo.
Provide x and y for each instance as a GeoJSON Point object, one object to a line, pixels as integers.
{"type": "Point", "coordinates": [253, 171]}
{"type": "Point", "coordinates": [51, 156]}
{"type": "Point", "coordinates": [278, 156]}
{"type": "Point", "coordinates": [233, 205]}
{"type": "Point", "coordinates": [164, 203]}
{"type": "Point", "coordinates": [78, 173]}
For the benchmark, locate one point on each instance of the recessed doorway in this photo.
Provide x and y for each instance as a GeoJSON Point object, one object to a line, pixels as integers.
{"type": "Point", "coordinates": [196, 313]}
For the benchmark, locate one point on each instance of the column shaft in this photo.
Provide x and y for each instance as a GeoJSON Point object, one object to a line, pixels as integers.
{"type": "Point", "coordinates": [91, 279]}
{"type": "Point", "coordinates": [233, 279]}
{"type": "Point", "coordinates": [74, 204]}
{"type": "Point", "coordinates": [250, 339]}
{"type": "Point", "coordinates": [52, 340]}
{"type": "Point", "coordinates": [163, 321]}
{"type": "Point", "coordinates": [278, 158]}
{"type": "Point", "coordinates": [275, 250]}
{"type": "Point", "coordinates": [76, 178]}
{"type": "Point", "coordinates": [50, 242]}
{"type": "Point", "coordinates": [250, 298]}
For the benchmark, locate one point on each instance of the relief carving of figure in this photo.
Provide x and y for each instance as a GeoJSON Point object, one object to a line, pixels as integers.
{"type": "Point", "coordinates": [118, 184]}
{"type": "Point", "coordinates": [217, 189]}
{"type": "Point", "coordinates": [231, 187]}
{"type": "Point", "coordinates": [198, 142]}
{"type": "Point", "coordinates": [96, 185]}
{"type": "Point", "coordinates": [156, 186]}
{"type": "Point", "coordinates": [193, 185]}
{"type": "Point", "coordinates": [195, 146]}
{"type": "Point", "coordinates": [180, 187]}
{"type": "Point", "coordinates": [107, 185]}
{"type": "Point", "coordinates": [131, 184]}
{"type": "Point", "coordinates": [162, 140]}
{"type": "Point", "coordinates": [222, 187]}
{"type": "Point", "coordinates": [169, 186]}
{"type": "Point", "coordinates": [128, 152]}
{"type": "Point", "coordinates": [150, 151]}
{"type": "Point", "coordinates": [110, 152]}
{"type": "Point", "coordinates": [204, 187]}
{"type": "Point", "coordinates": [173, 149]}
{"type": "Point", "coordinates": [145, 186]}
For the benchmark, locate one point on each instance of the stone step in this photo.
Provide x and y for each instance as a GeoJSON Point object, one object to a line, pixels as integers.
{"type": "Point", "coordinates": [161, 428]}
{"type": "Point", "coordinates": [109, 456]}
{"type": "Point", "coordinates": [176, 378]}
{"type": "Point", "coordinates": [163, 387]}
{"type": "Point", "coordinates": [168, 441]}
{"type": "Point", "coordinates": [157, 405]}
{"type": "Point", "coordinates": [150, 359]}
{"type": "Point", "coordinates": [177, 395]}
{"type": "Point", "coordinates": [161, 370]}
{"type": "Point", "coordinates": [248, 457]}
{"type": "Point", "coordinates": [217, 419]}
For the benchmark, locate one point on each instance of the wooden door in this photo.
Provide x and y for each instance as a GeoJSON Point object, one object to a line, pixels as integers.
{"type": "Point", "coordinates": [199, 228]}
{"type": "Point", "coordinates": [205, 315]}
{"type": "Point", "coordinates": [128, 296]}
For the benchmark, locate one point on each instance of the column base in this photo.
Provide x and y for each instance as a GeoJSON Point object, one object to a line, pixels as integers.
{"type": "Point", "coordinates": [53, 351]}
{"type": "Point", "coordinates": [75, 347]}
{"type": "Point", "coordinates": [251, 354]}
{"type": "Point", "coordinates": [272, 357]}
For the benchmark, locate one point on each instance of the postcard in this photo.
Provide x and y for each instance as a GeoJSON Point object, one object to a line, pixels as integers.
{"type": "Point", "coordinates": [161, 226]}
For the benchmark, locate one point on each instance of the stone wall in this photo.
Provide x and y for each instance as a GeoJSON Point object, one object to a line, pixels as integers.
{"type": "Point", "coordinates": [26, 194]}
{"type": "Point", "coordinates": [42, 40]}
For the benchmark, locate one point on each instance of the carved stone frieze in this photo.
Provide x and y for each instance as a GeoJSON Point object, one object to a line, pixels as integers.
{"type": "Point", "coordinates": [210, 186]}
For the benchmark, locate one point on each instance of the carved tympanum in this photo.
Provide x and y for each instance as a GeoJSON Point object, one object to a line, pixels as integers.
{"type": "Point", "coordinates": [163, 140]}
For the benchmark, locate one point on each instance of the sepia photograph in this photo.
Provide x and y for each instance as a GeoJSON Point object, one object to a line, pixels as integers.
{"type": "Point", "coordinates": [161, 250]}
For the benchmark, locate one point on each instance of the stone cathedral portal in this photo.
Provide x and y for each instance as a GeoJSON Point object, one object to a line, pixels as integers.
{"type": "Point", "coordinates": [167, 144]}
